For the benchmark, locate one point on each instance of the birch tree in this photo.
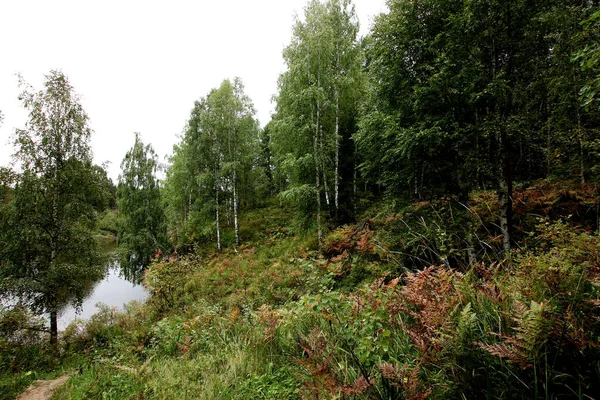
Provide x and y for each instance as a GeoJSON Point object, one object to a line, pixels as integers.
{"type": "Point", "coordinates": [49, 254]}
{"type": "Point", "coordinates": [315, 93]}
{"type": "Point", "coordinates": [142, 230]}
{"type": "Point", "coordinates": [214, 163]}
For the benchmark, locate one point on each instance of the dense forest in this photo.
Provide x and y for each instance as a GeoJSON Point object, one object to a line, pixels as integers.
{"type": "Point", "coordinates": [419, 219]}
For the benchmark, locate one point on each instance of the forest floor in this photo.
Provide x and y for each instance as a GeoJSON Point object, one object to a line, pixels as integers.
{"type": "Point", "coordinates": [43, 390]}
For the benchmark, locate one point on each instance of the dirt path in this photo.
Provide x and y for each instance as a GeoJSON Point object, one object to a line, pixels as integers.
{"type": "Point", "coordinates": [42, 390]}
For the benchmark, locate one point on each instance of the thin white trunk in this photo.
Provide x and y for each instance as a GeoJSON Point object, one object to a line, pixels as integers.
{"type": "Point", "coordinates": [228, 211]}
{"type": "Point", "coordinates": [235, 210]}
{"type": "Point", "coordinates": [503, 196]}
{"type": "Point", "coordinates": [326, 187]}
{"type": "Point", "coordinates": [186, 207]}
{"type": "Point", "coordinates": [337, 152]}
{"type": "Point", "coordinates": [355, 176]}
{"type": "Point", "coordinates": [323, 169]}
{"type": "Point", "coordinates": [217, 220]}
{"type": "Point", "coordinates": [318, 182]}
{"type": "Point", "coordinates": [580, 135]}
{"type": "Point", "coordinates": [318, 142]}
{"type": "Point", "coordinates": [503, 200]}
{"type": "Point", "coordinates": [470, 247]}
{"type": "Point", "coordinates": [53, 255]}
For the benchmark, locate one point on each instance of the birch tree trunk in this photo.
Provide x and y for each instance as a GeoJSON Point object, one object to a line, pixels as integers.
{"type": "Point", "coordinates": [325, 185]}
{"type": "Point", "coordinates": [317, 181]}
{"type": "Point", "coordinates": [235, 210]}
{"type": "Point", "coordinates": [337, 150]}
{"type": "Point", "coordinates": [354, 178]}
{"type": "Point", "coordinates": [53, 249]}
{"type": "Point", "coordinates": [217, 217]}
{"type": "Point", "coordinates": [470, 247]}
{"type": "Point", "coordinates": [505, 190]}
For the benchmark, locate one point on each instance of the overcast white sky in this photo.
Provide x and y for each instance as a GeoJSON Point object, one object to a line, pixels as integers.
{"type": "Point", "coordinates": [140, 64]}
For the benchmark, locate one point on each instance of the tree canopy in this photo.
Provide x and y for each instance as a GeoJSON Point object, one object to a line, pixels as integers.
{"type": "Point", "coordinates": [142, 229]}
{"type": "Point", "coordinates": [316, 106]}
{"type": "Point", "coordinates": [48, 252]}
{"type": "Point", "coordinates": [214, 166]}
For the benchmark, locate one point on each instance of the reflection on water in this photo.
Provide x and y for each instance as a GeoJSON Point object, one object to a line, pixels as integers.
{"type": "Point", "coordinates": [133, 265]}
{"type": "Point", "coordinates": [114, 290]}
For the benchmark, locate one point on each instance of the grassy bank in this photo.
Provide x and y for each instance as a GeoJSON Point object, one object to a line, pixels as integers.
{"type": "Point", "coordinates": [410, 302]}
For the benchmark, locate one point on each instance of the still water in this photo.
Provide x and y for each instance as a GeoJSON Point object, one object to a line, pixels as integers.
{"type": "Point", "coordinates": [114, 291]}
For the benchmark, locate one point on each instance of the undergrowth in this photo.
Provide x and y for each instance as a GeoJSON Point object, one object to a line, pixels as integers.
{"type": "Point", "coordinates": [412, 303]}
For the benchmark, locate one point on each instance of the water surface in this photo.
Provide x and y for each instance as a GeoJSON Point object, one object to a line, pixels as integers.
{"type": "Point", "coordinates": [114, 291]}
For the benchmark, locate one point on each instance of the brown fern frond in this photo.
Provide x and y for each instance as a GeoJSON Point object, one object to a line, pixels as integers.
{"type": "Point", "coordinates": [186, 345]}
{"type": "Point", "coordinates": [364, 245]}
{"type": "Point", "coordinates": [405, 378]}
{"type": "Point", "coordinates": [492, 292]}
{"type": "Point", "coordinates": [594, 302]}
{"type": "Point", "coordinates": [270, 320]}
{"type": "Point", "coordinates": [430, 298]}
{"type": "Point", "coordinates": [357, 388]}
{"type": "Point", "coordinates": [512, 353]}
{"type": "Point", "coordinates": [391, 371]}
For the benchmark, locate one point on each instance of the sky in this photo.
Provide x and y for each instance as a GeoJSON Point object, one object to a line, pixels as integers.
{"type": "Point", "coordinates": [139, 65]}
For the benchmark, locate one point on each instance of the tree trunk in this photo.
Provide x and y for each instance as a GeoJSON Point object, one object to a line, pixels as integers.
{"type": "Point", "coordinates": [579, 129]}
{"type": "Point", "coordinates": [318, 182]}
{"type": "Point", "coordinates": [217, 219]}
{"type": "Point", "coordinates": [505, 191]}
{"type": "Point", "coordinates": [582, 162]}
{"type": "Point", "coordinates": [354, 177]}
{"type": "Point", "coordinates": [53, 327]}
{"type": "Point", "coordinates": [323, 168]}
{"type": "Point", "coordinates": [53, 255]}
{"type": "Point", "coordinates": [337, 152]}
{"type": "Point", "coordinates": [470, 247]}
{"type": "Point", "coordinates": [186, 206]}
{"type": "Point", "coordinates": [227, 214]}
{"type": "Point", "coordinates": [235, 210]}
{"type": "Point", "coordinates": [325, 186]}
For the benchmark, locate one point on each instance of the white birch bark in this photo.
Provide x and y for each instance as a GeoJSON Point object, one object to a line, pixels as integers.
{"type": "Point", "coordinates": [337, 150]}
{"type": "Point", "coordinates": [217, 218]}
{"type": "Point", "coordinates": [503, 197]}
{"type": "Point", "coordinates": [317, 182]}
{"type": "Point", "coordinates": [235, 210]}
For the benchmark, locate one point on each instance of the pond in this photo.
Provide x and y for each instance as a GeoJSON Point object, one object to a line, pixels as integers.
{"type": "Point", "coordinates": [114, 291]}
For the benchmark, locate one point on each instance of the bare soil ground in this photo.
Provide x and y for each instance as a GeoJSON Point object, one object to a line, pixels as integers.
{"type": "Point", "coordinates": [43, 390]}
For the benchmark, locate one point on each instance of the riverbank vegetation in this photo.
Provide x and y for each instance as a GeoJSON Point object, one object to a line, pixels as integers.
{"type": "Point", "coordinates": [389, 308]}
{"type": "Point", "coordinates": [419, 219]}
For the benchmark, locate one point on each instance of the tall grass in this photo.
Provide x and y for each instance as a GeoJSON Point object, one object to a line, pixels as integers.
{"type": "Point", "coordinates": [393, 307]}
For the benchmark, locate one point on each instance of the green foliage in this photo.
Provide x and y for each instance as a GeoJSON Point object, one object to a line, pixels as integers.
{"type": "Point", "coordinates": [316, 109]}
{"type": "Point", "coordinates": [214, 168]}
{"type": "Point", "coordinates": [141, 229]}
{"type": "Point", "coordinates": [24, 352]}
{"type": "Point", "coordinates": [529, 329]}
{"type": "Point", "coordinates": [467, 95]}
{"type": "Point", "coordinates": [278, 384]}
{"type": "Point", "coordinates": [108, 222]}
{"type": "Point", "coordinates": [168, 280]}
{"type": "Point", "coordinates": [48, 252]}
{"type": "Point", "coordinates": [100, 383]}
{"type": "Point", "coordinates": [589, 58]}
{"type": "Point", "coordinates": [22, 341]}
